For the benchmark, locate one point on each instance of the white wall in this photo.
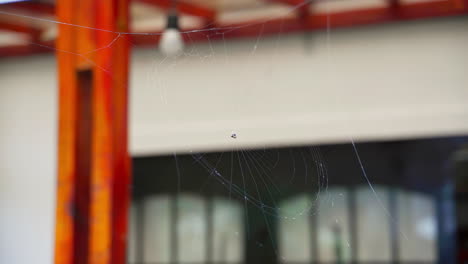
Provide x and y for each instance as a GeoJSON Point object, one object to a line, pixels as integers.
{"type": "Point", "coordinates": [27, 160]}
{"type": "Point", "coordinates": [404, 80]}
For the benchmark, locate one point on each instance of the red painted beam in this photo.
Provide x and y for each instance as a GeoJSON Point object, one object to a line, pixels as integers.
{"type": "Point", "coordinates": [372, 16]}
{"type": "Point", "coordinates": [33, 7]}
{"type": "Point", "coordinates": [394, 3]}
{"type": "Point", "coordinates": [25, 50]}
{"type": "Point", "coordinates": [93, 193]}
{"type": "Point", "coordinates": [251, 29]}
{"type": "Point", "coordinates": [386, 15]}
{"type": "Point", "coordinates": [184, 7]}
{"type": "Point", "coordinates": [20, 28]}
{"type": "Point", "coordinates": [291, 2]}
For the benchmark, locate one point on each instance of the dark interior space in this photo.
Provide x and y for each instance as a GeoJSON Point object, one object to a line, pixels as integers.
{"type": "Point", "coordinates": [259, 181]}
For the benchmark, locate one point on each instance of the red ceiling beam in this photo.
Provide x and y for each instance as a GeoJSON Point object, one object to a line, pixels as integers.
{"type": "Point", "coordinates": [184, 7]}
{"type": "Point", "coordinates": [385, 15]}
{"type": "Point", "coordinates": [20, 28]}
{"type": "Point", "coordinates": [291, 2]}
{"type": "Point", "coordinates": [33, 7]}
{"type": "Point", "coordinates": [26, 50]}
{"type": "Point", "coordinates": [394, 3]}
{"type": "Point", "coordinates": [251, 29]}
{"type": "Point", "coordinates": [320, 21]}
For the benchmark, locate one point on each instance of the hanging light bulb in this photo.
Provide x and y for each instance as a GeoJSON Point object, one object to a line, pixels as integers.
{"type": "Point", "coordinates": [171, 43]}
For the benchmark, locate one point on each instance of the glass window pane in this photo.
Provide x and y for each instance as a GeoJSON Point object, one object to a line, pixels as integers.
{"type": "Point", "coordinates": [333, 227]}
{"type": "Point", "coordinates": [191, 229]}
{"type": "Point", "coordinates": [294, 232]}
{"type": "Point", "coordinates": [373, 224]}
{"type": "Point", "coordinates": [156, 222]}
{"type": "Point", "coordinates": [132, 235]}
{"type": "Point", "coordinates": [418, 222]}
{"type": "Point", "coordinates": [228, 233]}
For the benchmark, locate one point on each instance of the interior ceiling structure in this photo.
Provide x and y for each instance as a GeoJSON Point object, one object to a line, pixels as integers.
{"type": "Point", "coordinates": [20, 32]}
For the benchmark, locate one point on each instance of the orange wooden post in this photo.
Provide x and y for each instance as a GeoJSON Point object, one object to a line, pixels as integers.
{"type": "Point", "coordinates": [93, 162]}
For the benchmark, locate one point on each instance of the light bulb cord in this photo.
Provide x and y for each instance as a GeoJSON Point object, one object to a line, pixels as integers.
{"type": "Point", "coordinates": [172, 16]}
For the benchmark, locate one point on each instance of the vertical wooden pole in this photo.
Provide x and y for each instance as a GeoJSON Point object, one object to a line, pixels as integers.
{"type": "Point", "coordinates": [93, 161]}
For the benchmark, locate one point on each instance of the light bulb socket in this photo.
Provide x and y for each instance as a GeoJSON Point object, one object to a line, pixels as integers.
{"type": "Point", "coordinates": [173, 21]}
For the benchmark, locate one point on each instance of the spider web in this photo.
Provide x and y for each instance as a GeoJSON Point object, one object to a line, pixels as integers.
{"type": "Point", "coordinates": [255, 187]}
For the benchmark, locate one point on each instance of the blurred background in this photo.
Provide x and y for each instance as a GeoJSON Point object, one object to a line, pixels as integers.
{"type": "Point", "coordinates": [260, 131]}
